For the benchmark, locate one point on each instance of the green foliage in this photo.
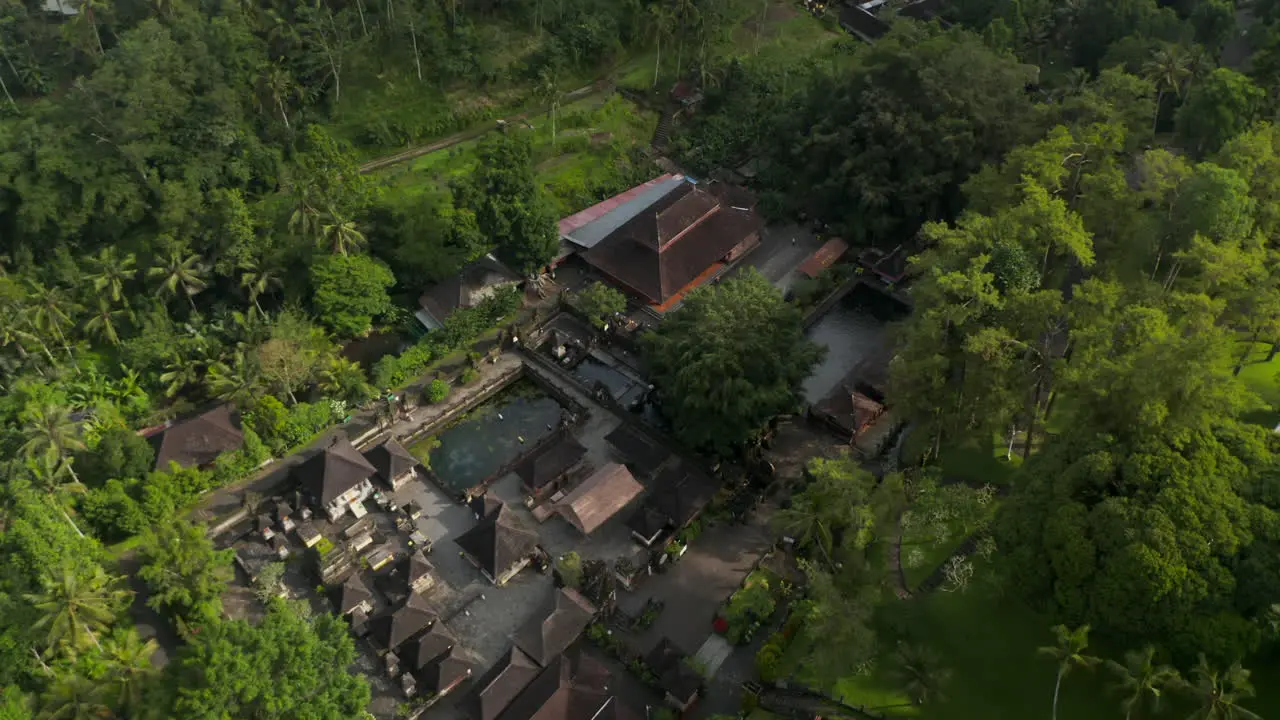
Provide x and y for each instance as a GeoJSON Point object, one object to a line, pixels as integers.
{"type": "Point", "coordinates": [748, 608]}
{"type": "Point", "coordinates": [727, 361]}
{"type": "Point", "coordinates": [600, 302]}
{"type": "Point", "coordinates": [185, 573]}
{"type": "Point", "coordinates": [287, 666]}
{"type": "Point", "coordinates": [460, 329]}
{"type": "Point", "coordinates": [14, 705]}
{"type": "Point", "coordinates": [350, 291]}
{"type": "Point", "coordinates": [469, 376]}
{"type": "Point", "coordinates": [569, 566]}
{"type": "Point", "coordinates": [437, 391]}
{"type": "Point", "coordinates": [511, 209]}
{"type": "Point", "coordinates": [119, 454]}
{"type": "Point", "coordinates": [1224, 105]}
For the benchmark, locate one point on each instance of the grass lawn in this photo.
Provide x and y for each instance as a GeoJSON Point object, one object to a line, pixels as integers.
{"type": "Point", "coordinates": [1263, 378]}
{"type": "Point", "coordinates": [591, 152]}
{"type": "Point", "coordinates": [965, 461]}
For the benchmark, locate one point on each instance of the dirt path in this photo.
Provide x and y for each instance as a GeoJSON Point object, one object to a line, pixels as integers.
{"type": "Point", "coordinates": [448, 142]}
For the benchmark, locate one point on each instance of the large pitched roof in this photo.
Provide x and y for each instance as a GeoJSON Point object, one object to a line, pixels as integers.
{"type": "Point", "coordinates": [568, 689]}
{"type": "Point", "coordinates": [664, 248]}
{"type": "Point", "coordinates": [460, 291]}
{"type": "Point", "coordinates": [198, 440]}
{"type": "Point", "coordinates": [599, 497]}
{"type": "Point", "coordinates": [551, 461]}
{"type": "Point", "coordinates": [637, 450]}
{"type": "Point", "coordinates": [334, 470]}
{"type": "Point", "coordinates": [545, 637]}
{"type": "Point", "coordinates": [498, 541]}
{"type": "Point", "coordinates": [647, 521]}
{"type": "Point", "coordinates": [391, 631]}
{"type": "Point", "coordinates": [445, 671]}
{"type": "Point", "coordinates": [351, 593]}
{"type": "Point", "coordinates": [390, 460]}
{"type": "Point", "coordinates": [674, 675]}
{"type": "Point", "coordinates": [850, 409]}
{"type": "Point", "coordinates": [501, 684]}
{"type": "Point", "coordinates": [681, 493]}
{"type": "Point", "coordinates": [430, 646]}
{"type": "Point", "coordinates": [588, 227]}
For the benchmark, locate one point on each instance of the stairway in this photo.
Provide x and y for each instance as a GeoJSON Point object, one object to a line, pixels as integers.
{"type": "Point", "coordinates": [663, 131]}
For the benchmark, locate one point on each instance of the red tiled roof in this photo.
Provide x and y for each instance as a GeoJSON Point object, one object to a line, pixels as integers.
{"type": "Point", "coordinates": [833, 250]}
{"type": "Point", "coordinates": [577, 220]}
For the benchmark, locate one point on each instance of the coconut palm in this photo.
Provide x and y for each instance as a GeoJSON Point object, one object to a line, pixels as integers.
{"type": "Point", "coordinates": [129, 669]}
{"type": "Point", "coordinates": [339, 234]}
{"type": "Point", "coordinates": [548, 91]}
{"type": "Point", "coordinates": [75, 607]}
{"type": "Point", "coordinates": [180, 372]}
{"type": "Point", "coordinates": [181, 273]}
{"type": "Point", "coordinates": [111, 271]}
{"type": "Point", "coordinates": [1220, 693]}
{"type": "Point", "coordinates": [345, 379]}
{"type": "Point", "coordinates": [1068, 651]}
{"type": "Point", "coordinates": [305, 221]}
{"type": "Point", "coordinates": [661, 25]}
{"type": "Point", "coordinates": [258, 279]}
{"type": "Point", "coordinates": [102, 323]}
{"type": "Point", "coordinates": [50, 473]}
{"type": "Point", "coordinates": [73, 697]}
{"type": "Point", "coordinates": [235, 381]}
{"type": "Point", "coordinates": [278, 85]}
{"type": "Point", "coordinates": [1140, 679]}
{"type": "Point", "coordinates": [1168, 69]}
{"type": "Point", "coordinates": [50, 427]}
{"type": "Point", "coordinates": [917, 669]}
{"type": "Point", "coordinates": [50, 312]}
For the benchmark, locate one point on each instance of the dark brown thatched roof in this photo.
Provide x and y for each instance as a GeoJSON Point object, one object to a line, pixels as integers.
{"type": "Point", "coordinates": [333, 471]}
{"type": "Point", "coordinates": [351, 593]}
{"type": "Point", "coordinates": [599, 498]}
{"type": "Point", "coordinates": [390, 631]}
{"type": "Point", "coordinates": [681, 493]}
{"type": "Point", "coordinates": [551, 461]}
{"type": "Point", "coordinates": [199, 440]}
{"type": "Point", "coordinates": [664, 248]}
{"type": "Point", "coordinates": [430, 646]}
{"type": "Point", "coordinates": [547, 636]}
{"type": "Point", "coordinates": [570, 688]}
{"type": "Point", "coordinates": [446, 671]}
{"type": "Point", "coordinates": [501, 684]}
{"type": "Point", "coordinates": [641, 454]}
{"type": "Point", "coordinates": [390, 460]}
{"type": "Point", "coordinates": [498, 542]}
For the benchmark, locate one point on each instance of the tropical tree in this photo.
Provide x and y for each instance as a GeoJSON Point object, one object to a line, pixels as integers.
{"type": "Point", "coordinates": [73, 608]}
{"type": "Point", "coordinates": [661, 25]}
{"type": "Point", "coordinates": [1140, 678]}
{"type": "Point", "coordinates": [181, 273]}
{"type": "Point", "coordinates": [180, 372]}
{"type": "Point", "coordinates": [258, 279]}
{"type": "Point", "coordinates": [102, 323]}
{"type": "Point", "coordinates": [186, 574]}
{"type": "Point", "coordinates": [111, 271]}
{"type": "Point", "coordinates": [548, 91]}
{"type": "Point", "coordinates": [50, 427]}
{"type": "Point", "coordinates": [345, 379]}
{"type": "Point", "coordinates": [1169, 70]}
{"type": "Point", "coordinates": [235, 381]}
{"type": "Point", "coordinates": [1068, 652]}
{"type": "Point", "coordinates": [73, 696]}
{"type": "Point", "coordinates": [51, 311]}
{"type": "Point", "coordinates": [1220, 693]}
{"type": "Point", "coordinates": [919, 671]}
{"type": "Point", "coordinates": [129, 669]}
{"type": "Point", "coordinates": [279, 86]}
{"type": "Point", "coordinates": [340, 235]}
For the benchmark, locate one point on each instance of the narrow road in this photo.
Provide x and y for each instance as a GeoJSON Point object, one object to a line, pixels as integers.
{"type": "Point", "coordinates": [465, 135]}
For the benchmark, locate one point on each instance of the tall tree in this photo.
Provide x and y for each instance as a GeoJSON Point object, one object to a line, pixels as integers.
{"type": "Point", "coordinates": [340, 235]}
{"type": "Point", "coordinates": [73, 696]}
{"type": "Point", "coordinates": [350, 291]}
{"type": "Point", "coordinates": [102, 322]}
{"type": "Point", "coordinates": [235, 379]}
{"type": "Point", "coordinates": [75, 607]}
{"type": "Point", "coordinates": [129, 669]}
{"type": "Point", "coordinates": [728, 361]}
{"type": "Point", "coordinates": [1141, 680]}
{"type": "Point", "coordinates": [181, 273]}
{"type": "Point", "coordinates": [1219, 693]}
{"type": "Point", "coordinates": [1168, 70]}
{"type": "Point", "coordinates": [186, 574]}
{"type": "Point", "coordinates": [111, 271]}
{"type": "Point", "coordinates": [1068, 652]}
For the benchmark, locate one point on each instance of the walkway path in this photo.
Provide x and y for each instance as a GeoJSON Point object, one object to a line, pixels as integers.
{"type": "Point", "coordinates": [448, 142]}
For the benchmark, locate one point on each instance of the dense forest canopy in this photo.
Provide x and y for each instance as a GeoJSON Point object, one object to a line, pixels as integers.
{"type": "Point", "coordinates": [1088, 197]}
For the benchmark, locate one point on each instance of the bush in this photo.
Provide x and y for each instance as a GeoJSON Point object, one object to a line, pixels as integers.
{"type": "Point", "coordinates": [113, 512]}
{"type": "Point", "coordinates": [324, 546]}
{"type": "Point", "coordinates": [468, 376]}
{"type": "Point", "coordinates": [462, 327]}
{"type": "Point", "coordinates": [767, 662]}
{"type": "Point", "coordinates": [437, 391]}
{"type": "Point", "coordinates": [569, 566]}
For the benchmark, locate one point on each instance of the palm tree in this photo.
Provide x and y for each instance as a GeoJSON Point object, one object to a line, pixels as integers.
{"type": "Point", "coordinates": [102, 323]}
{"type": "Point", "coordinates": [918, 670]}
{"type": "Point", "coordinates": [48, 472]}
{"type": "Point", "coordinates": [129, 669]}
{"type": "Point", "coordinates": [1220, 693]}
{"type": "Point", "coordinates": [1068, 652]}
{"type": "Point", "coordinates": [236, 381]}
{"type": "Point", "coordinates": [1168, 70]}
{"type": "Point", "coordinates": [50, 427]}
{"type": "Point", "coordinates": [73, 697]}
{"type": "Point", "coordinates": [660, 24]}
{"type": "Point", "coordinates": [181, 273]}
{"type": "Point", "coordinates": [340, 235]}
{"type": "Point", "coordinates": [51, 312]}
{"type": "Point", "coordinates": [178, 373]}
{"type": "Point", "coordinates": [809, 522]}
{"type": "Point", "coordinates": [305, 221]}
{"type": "Point", "coordinates": [73, 609]}
{"type": "Point", "coordinates": [278, 85]}
{"type": "Point", "coordinates": [1140, 677]}
{"type": "Point", "coordinates": [345, 379]}
{"type": "Point", "coordinates": [111, 271]}
{"type": "Point", "coordinates": [259, 278]}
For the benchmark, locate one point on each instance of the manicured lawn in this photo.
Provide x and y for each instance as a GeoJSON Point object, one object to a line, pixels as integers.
{"type": "Point", "coordinates": [966, 461]}
{"type": "Point", "coordinates": [1263, 378]}
{"type": "Point", "coordinates": [877, 694]}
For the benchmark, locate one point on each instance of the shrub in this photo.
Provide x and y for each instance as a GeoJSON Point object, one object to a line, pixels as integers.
{"type": "Point", "coordinates": [569, 566]}
{"type": "Point", "coordinates": [324, 546]}
{"type": "Point", "coordinates": [468, 376]}
{"type": "Point", "coordinates": [767, 662]}
{"type": "Point", "coordinates": [437, 391]}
